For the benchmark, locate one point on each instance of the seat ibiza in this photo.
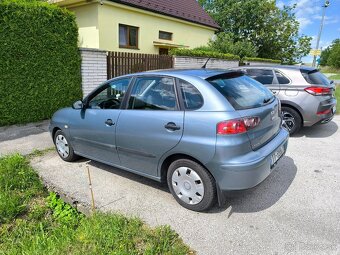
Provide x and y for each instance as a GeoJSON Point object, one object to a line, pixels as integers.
{"type": "Point", "coordinates": [201, 131]}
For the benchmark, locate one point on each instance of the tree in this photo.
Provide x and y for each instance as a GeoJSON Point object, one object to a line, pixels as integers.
{"type": "Point", "coordinates": [225, 43]}
{"type": "Point", "coordinates": [324, 56]}
{"type": "Point", "coordinates": [334, 54]}
{"type": "Point", "coordinates": [273, 31]}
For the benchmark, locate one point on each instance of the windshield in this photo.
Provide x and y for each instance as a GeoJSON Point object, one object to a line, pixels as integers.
{"type": "Point", "coordinates": [241, 91]}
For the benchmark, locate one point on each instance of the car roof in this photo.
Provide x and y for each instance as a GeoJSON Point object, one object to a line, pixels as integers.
{"type": "Point", "coordinates": [297, 67]}
{"type": "Point", "coordinates": [203, 73]}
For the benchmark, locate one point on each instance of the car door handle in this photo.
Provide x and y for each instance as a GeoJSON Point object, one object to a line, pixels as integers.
{"type": "Point", "coordinates": [172, 126]}
{"type": "Point", "coordinates": [109, 122]}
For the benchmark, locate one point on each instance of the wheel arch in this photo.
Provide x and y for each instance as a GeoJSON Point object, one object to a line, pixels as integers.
{"type": "Point", "coordinates": [171, 158]}
{"type": "Point", "coordinates": [294, 107]}
{"type": "Point", "coordinates": [54, 130]}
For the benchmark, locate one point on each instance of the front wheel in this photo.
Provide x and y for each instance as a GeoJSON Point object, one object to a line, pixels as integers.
{"type": "Point", "coordinates": [63, 147]}
{"type": "Point", "coordinates": [291, 120]}
{"type": "Point", "coordinates": [192, 185]}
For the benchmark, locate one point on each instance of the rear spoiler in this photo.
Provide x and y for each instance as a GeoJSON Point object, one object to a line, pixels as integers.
{"type": "Point", "coordinates": [227, 75]}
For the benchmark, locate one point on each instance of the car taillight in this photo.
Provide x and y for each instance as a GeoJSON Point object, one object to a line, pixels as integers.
{"type": "Point", "coordinates": [237, 126]}
{"type": "Point", "coordinates": [324, 112]}
{"type": "Point", "coordinates": [318, 91]}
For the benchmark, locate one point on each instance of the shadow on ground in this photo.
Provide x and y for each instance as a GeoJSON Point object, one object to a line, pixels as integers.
{"type": "Point", "coordinates": [256, 199]}
{"type": "Point", "coordinates": [264, 195]}
{"type": "Point", "coordinates": [318, 131]}
{"type": "Point", "coordinates": [18, 131]}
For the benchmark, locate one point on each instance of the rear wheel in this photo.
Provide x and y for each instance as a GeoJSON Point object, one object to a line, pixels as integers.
{"type": "Point", "coordinates": [291, 120]}
{"type": "Point", "coordinates": [192, 185]}
{"type": "Point", "coordinates": [63, 147]}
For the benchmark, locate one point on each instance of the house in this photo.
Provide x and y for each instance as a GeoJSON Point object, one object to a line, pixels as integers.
{"type": "Point", "coordinates": [141, 26]}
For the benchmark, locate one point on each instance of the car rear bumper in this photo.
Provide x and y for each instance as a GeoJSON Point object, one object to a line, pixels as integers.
{"type": "Point", "coordinates": [244, 175]}
{"type": "Point", "coordinates": [311, 116]}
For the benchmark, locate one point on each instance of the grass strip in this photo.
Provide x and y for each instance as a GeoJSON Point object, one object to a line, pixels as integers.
{"type": "Point", "coordinates": [33, 221]}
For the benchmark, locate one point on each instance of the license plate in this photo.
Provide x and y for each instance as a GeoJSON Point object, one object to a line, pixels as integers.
{"type": "Point", "coordinates": [334, 109]}
{"type": "Point", "coordinates": [277, 155]}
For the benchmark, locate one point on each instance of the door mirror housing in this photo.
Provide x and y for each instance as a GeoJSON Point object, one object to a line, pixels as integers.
{"type": "Point", "coordinates": [78, 105]}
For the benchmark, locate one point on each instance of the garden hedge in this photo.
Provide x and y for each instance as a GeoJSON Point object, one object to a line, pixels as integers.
{"type": "Point", "coordinates": [39, 61]}
{"type": "Point", "coordinates": [202, 53]}
{"type": "Point", "coordinates": [267, 60]}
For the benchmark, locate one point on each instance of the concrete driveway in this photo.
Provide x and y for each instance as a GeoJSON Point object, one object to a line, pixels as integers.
{"type": "Point", "coordinates": [296, 210]}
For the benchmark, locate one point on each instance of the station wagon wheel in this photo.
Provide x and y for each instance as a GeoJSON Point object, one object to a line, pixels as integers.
{"type": "Point", "coordinates": [63, 147]}
{"type": "Point", "coordinates": [291, 120]}
{"type": "Point", "coordinates": [191, 185]}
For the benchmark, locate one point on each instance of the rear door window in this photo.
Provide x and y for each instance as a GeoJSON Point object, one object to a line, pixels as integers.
{"type": "Point", "coordinates": [315, 77]}
{"type": "Point", "coordinates": [241, 91]}
{"type": "Point", "coordinates": [264, 76]}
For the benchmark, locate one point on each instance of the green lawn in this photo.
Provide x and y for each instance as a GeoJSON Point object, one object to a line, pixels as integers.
{"type": "Point", "coordinates": [334, 77]}
{"type": "Point", "coordinates": [33, 221]}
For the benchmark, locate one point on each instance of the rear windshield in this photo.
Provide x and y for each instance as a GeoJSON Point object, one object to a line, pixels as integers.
{"type": "Point", "coordinates": [241, 91]}
{"type": "Point", "coordinates": [315, 77]}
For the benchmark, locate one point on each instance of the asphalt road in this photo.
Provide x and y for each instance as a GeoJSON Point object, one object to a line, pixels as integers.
{"type": "Point", "coordinates": [296, 210]}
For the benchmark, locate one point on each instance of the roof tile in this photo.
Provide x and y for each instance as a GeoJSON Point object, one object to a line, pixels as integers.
{"type": "Point", "coordinates": [189, 10]}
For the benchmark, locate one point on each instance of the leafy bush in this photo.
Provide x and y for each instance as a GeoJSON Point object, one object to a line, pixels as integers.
{"type": "Point", "coordinates": [202, 53]}
{"type": "Point", "coordinates": [225, 43]}
{"type": "Point", "coordinates": [275, 61]}
{"type": "Point", "coordinates": [39, 61]}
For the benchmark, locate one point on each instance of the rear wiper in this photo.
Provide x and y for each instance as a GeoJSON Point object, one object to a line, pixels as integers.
{"type": "Point", "coordinates": [266, 100]}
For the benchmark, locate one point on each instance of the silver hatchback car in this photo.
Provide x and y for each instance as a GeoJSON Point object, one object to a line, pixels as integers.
{"type": "Point", "coordinates": [307, 96]}
{"type": "Point", "coordinates": [202, 131]}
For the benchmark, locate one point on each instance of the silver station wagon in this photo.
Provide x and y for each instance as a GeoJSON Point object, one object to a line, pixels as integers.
{"type": "Point", "coordinates": [201, 131]}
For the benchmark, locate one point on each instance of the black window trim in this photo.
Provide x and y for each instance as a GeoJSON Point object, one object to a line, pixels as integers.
{"type": "Point", "coordinates": [133, 84]}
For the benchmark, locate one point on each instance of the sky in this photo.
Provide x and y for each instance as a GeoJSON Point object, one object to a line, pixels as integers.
{"type": "Point", "coordinates": [309, 13]}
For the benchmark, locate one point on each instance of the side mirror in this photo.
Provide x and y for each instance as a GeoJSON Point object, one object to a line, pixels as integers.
{"type": "Point", "coordinates": [78, 105]}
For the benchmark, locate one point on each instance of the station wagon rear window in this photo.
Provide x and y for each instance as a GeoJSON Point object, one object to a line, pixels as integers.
{"type": "Point", "coordinates": [314, 77]}
{"type": "Point", "coordinates": [241, 91]}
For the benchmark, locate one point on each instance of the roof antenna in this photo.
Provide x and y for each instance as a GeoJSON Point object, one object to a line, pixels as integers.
{"type": "Point", "coordinates": [205, 65]}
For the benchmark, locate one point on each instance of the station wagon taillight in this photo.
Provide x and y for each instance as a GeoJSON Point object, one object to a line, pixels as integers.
{"type": "Point", "coordinates": [237, 126]}
{"type": "Point", "coordinates": [318, 91]}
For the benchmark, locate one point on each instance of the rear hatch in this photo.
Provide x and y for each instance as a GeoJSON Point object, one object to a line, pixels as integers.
{"type": "Point", "coordinates": [318, 79]}
{"type": "Point", "coordinates": [255, 104]}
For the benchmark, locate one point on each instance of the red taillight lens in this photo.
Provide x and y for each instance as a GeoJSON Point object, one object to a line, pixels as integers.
{"type": "Point", "coordinates": [318, 91]}
{"type": "Point", "coordinates": [237, 126]}
{"type": "Point", "coordinates": [324, 112]}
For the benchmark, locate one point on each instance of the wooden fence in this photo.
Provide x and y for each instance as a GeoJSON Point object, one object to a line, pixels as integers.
{"type": "Point", "coordinates": [120, 63]}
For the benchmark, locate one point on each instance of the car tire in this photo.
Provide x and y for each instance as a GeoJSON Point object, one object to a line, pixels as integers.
{"type": "Point", "coordinates": [191, 185]}
{"type": "Point", "coordinates": [63, 147]}
{"type": "Point", "coordinates": [291, 119]}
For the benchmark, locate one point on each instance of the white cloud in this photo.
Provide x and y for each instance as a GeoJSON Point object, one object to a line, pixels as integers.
{"type": "Point", "coordinates": [328, 19]}
{"type": "Point", "coordinates": [306, 11]}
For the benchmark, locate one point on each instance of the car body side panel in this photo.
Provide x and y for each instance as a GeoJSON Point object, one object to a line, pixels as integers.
{"type": "Point", "coordinates": [199, 136]}
{"type": "Point", "coordinates": [91, 136]}
{"type": "Point", "coordinates": [142, 138]}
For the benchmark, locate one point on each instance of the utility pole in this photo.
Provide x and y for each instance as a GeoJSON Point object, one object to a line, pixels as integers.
{"type": "Point", "coordinates": [326, 4]}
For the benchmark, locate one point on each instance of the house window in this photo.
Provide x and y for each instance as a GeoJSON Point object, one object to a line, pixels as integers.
{"type": "Point", "coordinates": [165, 35]}
{"type": "Point", "coordinates": [128, 36]}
